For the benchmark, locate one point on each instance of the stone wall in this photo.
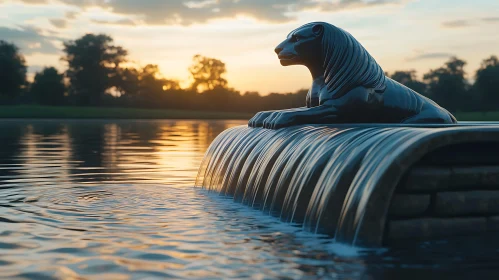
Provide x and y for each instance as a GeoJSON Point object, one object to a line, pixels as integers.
{"type": "Point", "coordinates": [439, 201]}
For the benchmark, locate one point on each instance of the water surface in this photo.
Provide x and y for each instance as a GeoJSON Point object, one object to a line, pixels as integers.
{"type": "Point", "coordinates": [115, 200]}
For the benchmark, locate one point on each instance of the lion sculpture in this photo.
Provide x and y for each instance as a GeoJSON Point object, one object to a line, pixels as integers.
{"type": "Point", "coordinates": [348, 84]}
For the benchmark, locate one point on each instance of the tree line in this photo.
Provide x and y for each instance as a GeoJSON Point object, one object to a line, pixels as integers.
{"type": "Point", "coordinates": [99, 73]}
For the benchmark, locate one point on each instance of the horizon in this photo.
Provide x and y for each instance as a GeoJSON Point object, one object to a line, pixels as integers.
{"type": "Point", "coordinates": [400, 35]}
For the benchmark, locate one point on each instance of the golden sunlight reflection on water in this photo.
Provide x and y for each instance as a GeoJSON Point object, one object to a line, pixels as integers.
{"type": "Point", "coordinates": [160, 152]}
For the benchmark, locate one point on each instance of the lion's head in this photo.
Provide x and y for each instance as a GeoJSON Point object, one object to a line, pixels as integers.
{"type": "Point", "coordinates": [301, 45]}
{"type": "Point", "coordinates": [342, 59]}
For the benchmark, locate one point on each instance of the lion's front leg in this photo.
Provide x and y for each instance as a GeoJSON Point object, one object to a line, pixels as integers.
{"type": "Point", "coordinates": [311, 100]}
{"type": "Point", "coordinates": [316, 114]}
{"type": "Point", "coordinates": [259, 119]}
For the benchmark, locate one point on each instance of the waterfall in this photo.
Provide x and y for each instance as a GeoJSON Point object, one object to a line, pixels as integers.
{"type": "Point", "coordinates": [320, 176]}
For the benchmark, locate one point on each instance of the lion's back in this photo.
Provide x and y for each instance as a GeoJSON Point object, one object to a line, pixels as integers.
{"type": "Point", "coordinates": [403, 99]}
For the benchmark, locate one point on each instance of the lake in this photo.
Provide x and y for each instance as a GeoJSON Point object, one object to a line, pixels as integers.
{"type": "Point", "coordinates": [98, 199]}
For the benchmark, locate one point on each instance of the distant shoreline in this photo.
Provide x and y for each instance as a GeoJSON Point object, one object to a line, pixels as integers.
{"type": "Point", "coordinates": [69, 112]}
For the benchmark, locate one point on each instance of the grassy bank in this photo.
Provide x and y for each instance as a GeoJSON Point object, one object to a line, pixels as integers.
{"type": "Point", "coordinates": [32, 111]}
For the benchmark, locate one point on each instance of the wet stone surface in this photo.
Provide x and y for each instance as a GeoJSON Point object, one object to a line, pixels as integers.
{"type": "Point", "coordinates": [409, 205]}
{"type": "Point", "coordinates": [493, 223]}
{"type": "Point", "coordinates": [485, 176]}
{"type": "Point", "coordinates": [427, 179]}
{"type": "Point", "coordinates": [467, 203]}
{"type": "Point", "coordinates": [435, 227]}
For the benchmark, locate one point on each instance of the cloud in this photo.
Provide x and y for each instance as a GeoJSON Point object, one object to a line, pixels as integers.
{"type": "Point", "coordinates": [332, 6]}
{"type": "Point", "coordinates": [59, 23]}
{"type": "Point", "coordinates": [71, 15]}
{"type": "Point", "coordinates": [124, 21]}
{"type": "Point", "coordinates": [455, 24]}
{"type": "Point", "coordinates": [491, 19]}
{"type": "Point", "coordinates": [29, 40]}
{"type": "Point", "coordinates": [425, 56]}
{"type": "Point", "coordinates": [35, 1]}
{"type": "Point", "coordinates": [187, 12]}
{"type": "Point", "coordinates": [468, 22]}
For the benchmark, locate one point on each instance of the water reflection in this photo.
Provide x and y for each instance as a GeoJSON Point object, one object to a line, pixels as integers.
{"type": "Point", "coordinates": [92, 152]}
{"type": "Point", "coordinates": [114, 200]}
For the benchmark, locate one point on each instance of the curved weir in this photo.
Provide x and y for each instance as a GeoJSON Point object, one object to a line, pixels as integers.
{"type": "Point", "coordinates": [365, 185]}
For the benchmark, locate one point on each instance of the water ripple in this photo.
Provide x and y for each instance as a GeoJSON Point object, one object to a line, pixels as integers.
{"type": "Point", "coordinates": [114, 200]}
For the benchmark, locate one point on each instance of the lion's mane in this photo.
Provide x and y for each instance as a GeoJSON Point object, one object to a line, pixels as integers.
{"type": "Point", "coordinates": [347, 64]}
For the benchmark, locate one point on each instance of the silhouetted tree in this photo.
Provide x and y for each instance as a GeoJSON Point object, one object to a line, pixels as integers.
{"type": "Point", "coordinates": [275, 101]}
{"type": "Point", "coordinates": [409, 79]}
{"type": "Point", "coordinates": [152, 81]}
{"type": "Point", "coordinates": [48, 87]}
{"type": "Point", "coordinates": [447, 85]}
{"type": "Point", "coordinates": [251, 101]}
{"type": "Point", "coordinates": [127, 81]}
{"type": "Point", "coordinates": [12, 72]}
{"type": "Point", "coordinates": [220, 99]}
{"type": "Point", "coordinates": [145, 87]}
{"type": "Point", "coordinates": [153, 86]}
{"type": "Point", "coordinates": [92, 65]}
{"type": "Point", "coordinates": [487, 84]}
{"type": "Point", "coordinates": [207, 73]}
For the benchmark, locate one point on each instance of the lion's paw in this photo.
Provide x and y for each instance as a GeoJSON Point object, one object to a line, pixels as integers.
{"type": "Point", "coordinates": [257, 120]}
{"type": "Point", "coordinates": [280, 120]}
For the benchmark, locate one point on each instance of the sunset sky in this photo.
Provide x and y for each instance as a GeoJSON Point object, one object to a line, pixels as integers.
{"type": "Point", "coordinates": [399, 34]}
